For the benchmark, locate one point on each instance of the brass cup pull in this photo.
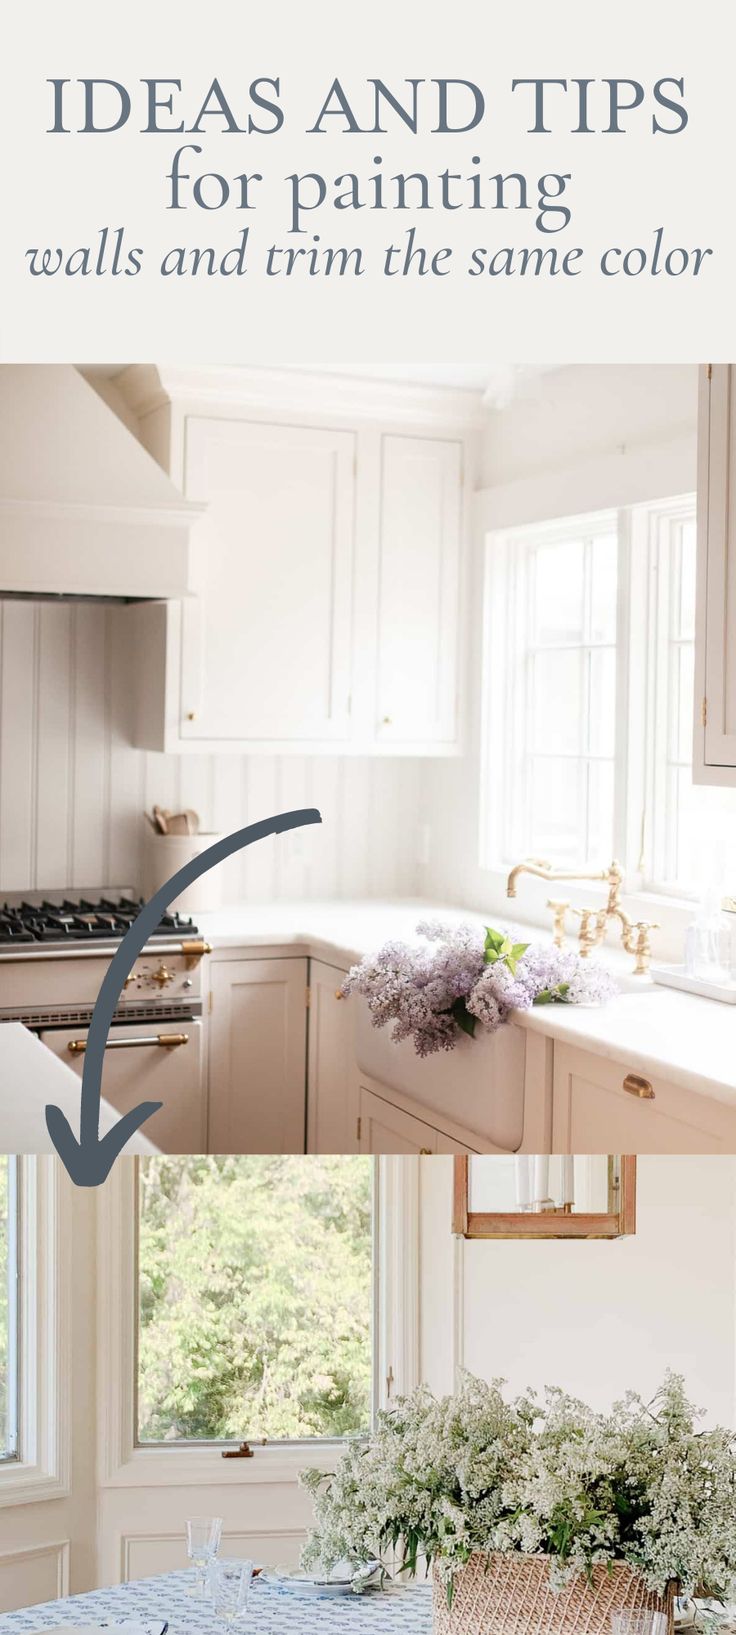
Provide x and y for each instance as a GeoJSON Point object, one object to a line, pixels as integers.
{"type": "Point", "coordinates": [637, 1086]}
{"type": "Point", "coordinates": [425, 1152]}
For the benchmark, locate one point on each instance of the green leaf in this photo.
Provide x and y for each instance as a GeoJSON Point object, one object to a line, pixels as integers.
{"type": "Point", "coordinates": [494, 945]}
{"type": "Point", "coordinates": [463, 1017]}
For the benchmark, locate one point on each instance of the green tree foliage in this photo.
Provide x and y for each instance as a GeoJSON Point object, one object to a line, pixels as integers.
{"type": "Point", "coordinates": [255, 1297]}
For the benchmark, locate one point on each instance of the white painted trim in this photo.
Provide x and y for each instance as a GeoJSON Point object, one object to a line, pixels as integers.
{"type": "Point", "coordinates": [458, 1308]}
{"type": "Point", "coordinates": [43, 1470]}
{"type": "Point", "coordinates": [57, 512]}
{"type": "Point", "coordinates": [397, 1347]}
{"type": "Point", "coordinates": [124, 1541]}
{"type": "Point", "coordinates": [120, 1462]}
{"type": "Point", "coordinates": [147, 387]}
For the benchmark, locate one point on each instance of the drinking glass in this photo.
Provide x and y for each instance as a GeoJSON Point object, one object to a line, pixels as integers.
{"type": "Point", "coordinates": [230, 1583]}
{"type": "Point", "coordinates": [638, 1623]}
{"type": "Point", "coordinates": [203, 1543]}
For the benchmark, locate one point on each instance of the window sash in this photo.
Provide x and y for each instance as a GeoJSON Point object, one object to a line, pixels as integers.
{"type": "Point", "coordinates": [396, 1340]}
{"type": "Point", "coordinates": [666, 642]}
{"type": "Point", "coordinates": [508, 695]}
{"type": "Point", "coordinates": [220, 1443]}
{"type": "Point", "coordinates": [644, 819]}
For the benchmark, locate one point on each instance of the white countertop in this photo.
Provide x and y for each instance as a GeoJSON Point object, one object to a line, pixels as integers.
{"type": "Point", "coordinates": [684, 1039]}
{"type": "Point", "coordinates": [31, 1077]}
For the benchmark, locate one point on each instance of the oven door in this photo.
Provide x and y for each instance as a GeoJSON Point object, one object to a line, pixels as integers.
{"type": "Point", "coordinates": [149, 1061]}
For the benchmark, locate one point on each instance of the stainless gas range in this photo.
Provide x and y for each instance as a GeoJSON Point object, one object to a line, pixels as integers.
{"type": "Point", "coordinates": [54, 953]}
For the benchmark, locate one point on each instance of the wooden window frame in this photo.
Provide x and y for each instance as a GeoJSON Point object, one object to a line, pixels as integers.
{"type": "Point", "coordinates": [477, 1224]}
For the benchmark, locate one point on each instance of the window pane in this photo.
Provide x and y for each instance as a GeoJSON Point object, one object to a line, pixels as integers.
{"type": "Point", "coordinates": [557, 810]}
{"type": "Point", "coordinates": [602, 702]}
{"type": "Point", "coordinates": [604, 588]}
{"type": "Point", "coordinates": [682, 745]}
{"type": "Point", "coordinates": [557, 702]}
{"type": "Point", "coordinates": [558, 598]}
{"type": "Point", "coordinates": [8, 1308]}
{"type": "Point", "coordinates": [600, 812]}
{"type": "Point", "coordinates": [687, 581]}
{"type": "Point", "coordinates": [255, 1297]}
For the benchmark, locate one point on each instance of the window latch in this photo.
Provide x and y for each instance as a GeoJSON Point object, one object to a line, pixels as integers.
{"type": "Point", "coordinates": [243, 1451]}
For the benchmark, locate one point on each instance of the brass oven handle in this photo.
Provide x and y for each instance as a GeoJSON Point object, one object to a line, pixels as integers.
{"type": "Point", "coordinates": [637, 1086]}
{"type": "Point", "coordinates": [165, 1041]}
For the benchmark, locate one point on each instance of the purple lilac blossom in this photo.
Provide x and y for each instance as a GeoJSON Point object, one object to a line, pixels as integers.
{"type": "Point", "coordinates": [416, 988]}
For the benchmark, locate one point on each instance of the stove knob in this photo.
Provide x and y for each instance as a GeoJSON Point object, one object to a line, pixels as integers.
{"type": "Point", "coordinates": [162, 976]}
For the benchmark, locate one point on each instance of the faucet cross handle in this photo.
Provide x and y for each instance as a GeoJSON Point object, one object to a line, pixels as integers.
{"type": "Point", "coordinates": [559, 909]}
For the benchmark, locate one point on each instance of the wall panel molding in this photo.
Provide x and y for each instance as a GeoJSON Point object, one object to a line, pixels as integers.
{"type": "Point", "coordinates": [22, 1573]}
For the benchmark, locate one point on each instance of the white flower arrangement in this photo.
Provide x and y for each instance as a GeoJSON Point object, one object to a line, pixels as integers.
{"type": "Point", "coordinates": [442, 1479]}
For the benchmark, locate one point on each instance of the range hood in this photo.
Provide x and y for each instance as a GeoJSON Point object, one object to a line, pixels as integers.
{"type": "Point", "coordinates": [84, 510]}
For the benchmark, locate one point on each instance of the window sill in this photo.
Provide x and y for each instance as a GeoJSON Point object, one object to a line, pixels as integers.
{"type": "Point", "coordinates": [163, 1467]}
{"type": "Point", "coordinates": [29, 1484]}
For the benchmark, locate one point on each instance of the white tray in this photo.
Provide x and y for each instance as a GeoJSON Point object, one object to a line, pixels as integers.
{"type": "Point", "coordinates": [676, 976]}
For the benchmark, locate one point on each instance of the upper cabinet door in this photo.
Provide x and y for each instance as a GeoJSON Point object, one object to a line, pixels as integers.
{"type": "Point", "coordinates": [266, 646]}
{"type": "Point", "coordinates": [714, 759]}
{"type": "Point", "coordinates": [419, 563]}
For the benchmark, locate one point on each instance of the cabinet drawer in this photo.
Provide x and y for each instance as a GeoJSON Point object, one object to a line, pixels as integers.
{"type": "Point", "coordinates": [598, 1106]}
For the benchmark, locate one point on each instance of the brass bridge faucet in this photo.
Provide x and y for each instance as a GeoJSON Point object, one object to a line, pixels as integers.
{"type": "Point", "coordinates": [635, 934]}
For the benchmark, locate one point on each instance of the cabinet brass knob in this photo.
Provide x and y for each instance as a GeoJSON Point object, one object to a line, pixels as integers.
{"type": "Point", "coordinates": [387, 721]}
{"type": "Point", "coordinates": [339, 993]}
{"type": "Point", "coordinates": [637, 1086]}
{"type": "Point", "coordinates": [191, 715]}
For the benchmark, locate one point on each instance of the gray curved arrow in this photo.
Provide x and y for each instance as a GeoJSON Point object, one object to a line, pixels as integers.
{"type": "Point", "coordinates": [89, 1159]}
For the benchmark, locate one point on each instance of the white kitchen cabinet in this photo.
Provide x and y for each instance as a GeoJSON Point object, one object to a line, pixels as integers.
{"type": "Point", "coordinates": [261, 655]}
{"type": "Point", "coordinates": [331, 1072]}
{"type": "Point", "coordinates": [389, 1123]}
{"type": "Point", "coordinates": [257, 1060]}
{"type": "Point", "coordinates": [598, 1106]}
{"type": "Point", "coordinates": [714, 753]}
{"type": "Point", "coordinates": [329, 572]}
{"type": "Point", "coordinates": [419, 589]}
{"type": "Point", "coordinates": [146, 1070]}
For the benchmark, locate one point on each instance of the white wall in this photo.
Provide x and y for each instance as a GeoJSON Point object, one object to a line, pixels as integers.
{"type": "Point", "coordinates": [566, 418]}
{"type": "Point", "coordinates": [593, 1317]}
{"type": "Point", "coordinates": [72, 790]}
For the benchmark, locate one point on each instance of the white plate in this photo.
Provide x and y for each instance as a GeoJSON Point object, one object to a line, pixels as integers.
{"type": "Point", "coordinates": [302, 1584]}
{"type": "Point", "coordinates": [312, 1586]}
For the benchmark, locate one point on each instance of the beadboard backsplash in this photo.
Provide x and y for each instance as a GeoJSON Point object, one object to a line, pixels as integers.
{"type": "Point", "coordinates": [72, 791]}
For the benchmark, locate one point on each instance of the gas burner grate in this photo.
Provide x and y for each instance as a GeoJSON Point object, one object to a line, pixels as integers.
{"type": "Point", "coordinates": [80, 921]}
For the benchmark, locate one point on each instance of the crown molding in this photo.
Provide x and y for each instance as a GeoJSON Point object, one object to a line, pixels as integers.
{"type": "Point", "coordinates": [147, 387]}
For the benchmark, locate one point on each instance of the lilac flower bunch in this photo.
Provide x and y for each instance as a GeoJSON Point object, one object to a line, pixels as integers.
{"type": "Point", "coordinates": [457, 978]}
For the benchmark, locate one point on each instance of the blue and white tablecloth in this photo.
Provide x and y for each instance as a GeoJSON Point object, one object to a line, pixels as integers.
{"type": "Point", "coordinates": [273, 1609]}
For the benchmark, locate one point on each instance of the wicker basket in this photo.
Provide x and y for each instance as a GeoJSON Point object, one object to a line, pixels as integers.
{"type": "Point", "coordinates": [511, 1595]}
